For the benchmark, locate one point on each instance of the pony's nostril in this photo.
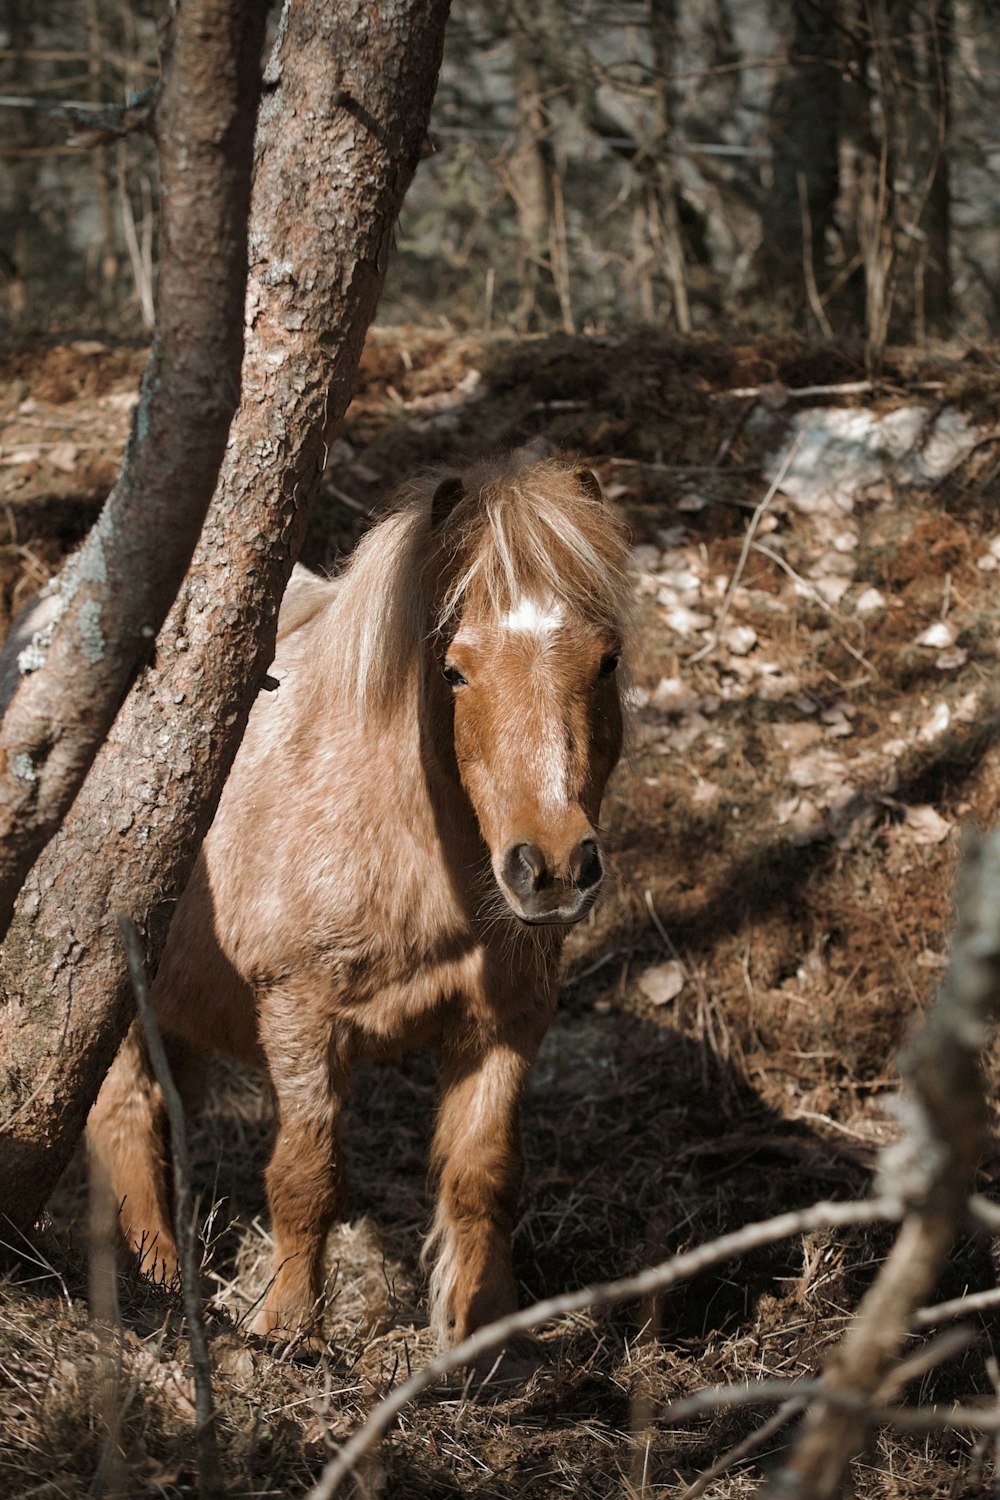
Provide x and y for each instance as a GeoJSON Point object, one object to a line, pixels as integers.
{"type": "Point", "coordinates": [524, 869]}
{"type": "Point", "coordinates": [587, 865]}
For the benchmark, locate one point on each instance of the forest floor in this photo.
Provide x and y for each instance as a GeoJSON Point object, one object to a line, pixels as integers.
{"type": "Point", "coordinates": [817, 716]}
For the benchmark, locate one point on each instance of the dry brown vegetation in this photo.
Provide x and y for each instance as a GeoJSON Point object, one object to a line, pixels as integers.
{"type": "Point", "coordinates": [785, 837]}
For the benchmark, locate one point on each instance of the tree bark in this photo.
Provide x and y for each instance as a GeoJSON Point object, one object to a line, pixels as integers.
{"type": "Point", "coordinates": [664, 183]}
{"type": "Point", "coordinates": [342, 122]}
{"type": "Point", "coordinates": [113, 595]}
{"type": "Point", "coordinates": [805, 132]}
{"type": "Point", "coordinates": [529, 179]}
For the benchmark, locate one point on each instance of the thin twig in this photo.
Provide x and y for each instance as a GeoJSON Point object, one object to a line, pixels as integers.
{"type": "Point", "coordinates": [957, 1307]}
{"type": "Point", "coordinates": [754, 522]}
{"type": "Point", "coordinates": [817, 598]}
{"type": "Point", "coordinates": [808, 268]}
{"type": "Point", "coordinates": [935, 1353]}
{"type": "Point", "coordinates": [185, 1213]}
{"type": "Point", "coordinates": [656, 1279]}
{"type": "Point", "coordinates": [984, 1213]}
{"type": "Point", "coordinates": [750, 1393]}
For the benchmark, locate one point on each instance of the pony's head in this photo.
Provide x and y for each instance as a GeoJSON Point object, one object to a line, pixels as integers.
{"type": "Point", "coordinates": [529, 599]}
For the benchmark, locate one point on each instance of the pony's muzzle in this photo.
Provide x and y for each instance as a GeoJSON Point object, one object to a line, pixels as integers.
{"type": "Point", "coordinates": [539, 891]}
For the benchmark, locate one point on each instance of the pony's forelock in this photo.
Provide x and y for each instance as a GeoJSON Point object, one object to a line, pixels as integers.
{"type": "Point", "coordinates": [518, 531]}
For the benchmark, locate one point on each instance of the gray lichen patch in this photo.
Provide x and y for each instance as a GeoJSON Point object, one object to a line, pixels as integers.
{"type": "Point", "coordinates": [91, 635]}
{"type": "Point", "coordinates": [23, 766]}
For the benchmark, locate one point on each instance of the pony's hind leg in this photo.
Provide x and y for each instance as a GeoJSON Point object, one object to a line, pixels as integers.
{"type": "Point", "coordinates": [305, 1176]}
{"type": "Point", "coordinates": [128, 1147]}
{"type": "Point", "coordinates": [476, 1158]}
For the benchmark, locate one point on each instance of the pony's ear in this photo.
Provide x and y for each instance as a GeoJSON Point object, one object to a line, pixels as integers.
{"type": "Point", "coordinates": [447, 495]}
{"type": "Point", "coordinates": [589, 483]}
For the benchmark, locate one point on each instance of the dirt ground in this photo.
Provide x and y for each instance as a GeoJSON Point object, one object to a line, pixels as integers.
{"type": "Point", "coordinates": [816, 718]}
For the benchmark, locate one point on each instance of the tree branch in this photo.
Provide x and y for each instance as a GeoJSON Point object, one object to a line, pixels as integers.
{"type": "Point", "coordinates": [932, 1167]}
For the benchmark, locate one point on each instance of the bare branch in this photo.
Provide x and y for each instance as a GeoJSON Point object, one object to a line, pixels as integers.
{"type": "Point", "coordinates": [751, 1393]}
{"type": "Point", "coordinates": [958, 1307]}
{"type": "Point", "coordinates": [932, 1167]}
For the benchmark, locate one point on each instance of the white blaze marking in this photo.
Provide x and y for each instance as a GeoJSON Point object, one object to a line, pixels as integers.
{"type": "Point", "coordinates": [547, 755]}
{"type": "Point", "coordinates": [549, 764]}
{"type": "Point", "coordinates": [536, 619]}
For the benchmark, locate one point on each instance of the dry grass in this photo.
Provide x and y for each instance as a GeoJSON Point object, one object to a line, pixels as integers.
{"type": "Point", "coordinates": [762, 1086]}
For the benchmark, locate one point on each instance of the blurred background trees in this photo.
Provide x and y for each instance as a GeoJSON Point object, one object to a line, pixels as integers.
{"type": "Point", "coordinates": [826, 165]}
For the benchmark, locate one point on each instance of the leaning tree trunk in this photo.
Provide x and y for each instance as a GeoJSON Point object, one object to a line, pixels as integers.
{"type": "Point", "coordinates": [114, 594]}
{"type": "Point", "coordinates": [344, 113]}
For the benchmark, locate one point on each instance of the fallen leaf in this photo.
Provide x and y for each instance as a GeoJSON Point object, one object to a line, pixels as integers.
{"type": "Point", "coordinates": [674, 696]}
{"type": "Point", "coordinates": [739, 638]}
{"type": "Point", "coordinates": [939, 637]}
{"type": "Point", "coordinates": [925, 825]}
{"type": "Point", "coordinates": [936, 724]}
{"type": "Point", "coordinates": [795, 738]}
{"type": "Point", "coordinates": [663, 982]}
{"type": "Point", "coordinates": [686, 621]}
{"type": "Point", "coordinates": [869, 602]}
{"type": "Point", "coordinates": [63, 457]}
{"type": "Point", "coordinates": [646, 557]}
{"type": "Point", "coordinates": [821, 767]}
{"type": "Point", "coordinates": [838, 725]}
{"type": "Point", "coordinates": [806, 823]}
{"type": "Point", "coordinates": [683, 737]}
{"type": "Point", "coordinates": [831, 588]}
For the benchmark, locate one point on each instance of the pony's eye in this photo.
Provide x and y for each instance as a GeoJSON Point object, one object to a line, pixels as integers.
{"type": "Point", "coordinates": [453, 676]}
{"type": "Point", "coordinates": [609, 663]}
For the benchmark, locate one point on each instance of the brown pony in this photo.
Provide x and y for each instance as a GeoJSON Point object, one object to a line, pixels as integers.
{"type": "Point", "coordinates": [408, 830]}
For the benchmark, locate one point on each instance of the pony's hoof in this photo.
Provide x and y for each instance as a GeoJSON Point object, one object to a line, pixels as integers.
{"type": "Point", "coordinates": [510, 1366]}
{"type": "Point", "coordinates": [289, 1337]}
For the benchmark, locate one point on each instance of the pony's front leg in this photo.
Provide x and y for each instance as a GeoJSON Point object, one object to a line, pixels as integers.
{"type": "Point", "coordinates": [476, 1157]}
{"type": "Point", "coordinates": [305, 1177]}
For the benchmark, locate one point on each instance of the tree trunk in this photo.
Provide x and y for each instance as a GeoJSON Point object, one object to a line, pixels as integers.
{"type": "Point", "coordinates": [342, 122]}
{"type": "Point", "coordinates": [529, 180]}
{"type": "Point", "coordinates": [931, 130]}
{"type": "Point", "coordinates": [113, 595]}
{"type": "Point", "coordinates": [805, 121]}
{"type": "Point", "coordinates": [664, 184]}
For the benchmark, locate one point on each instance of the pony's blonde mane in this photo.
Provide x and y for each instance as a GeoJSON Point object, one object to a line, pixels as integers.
{"type": "Point", "coordinates": [520, 530]}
